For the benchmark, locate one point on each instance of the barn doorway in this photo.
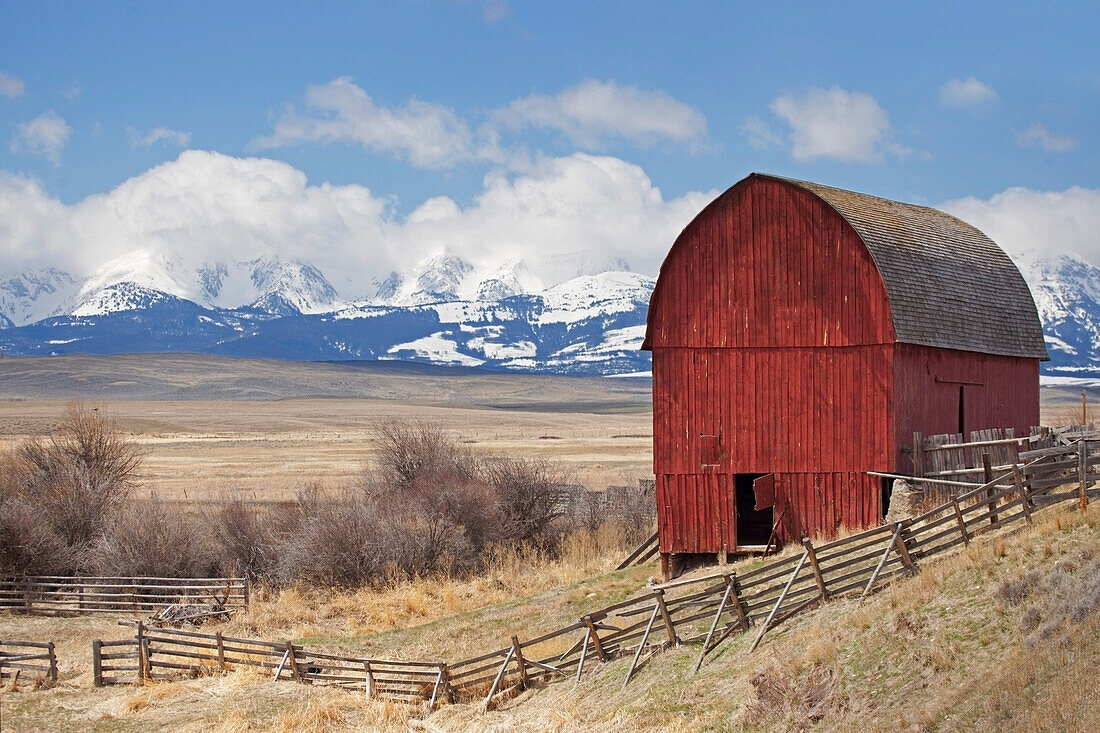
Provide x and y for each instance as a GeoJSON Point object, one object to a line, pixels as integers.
{"type": "Point", "coordinates": [754, 526]}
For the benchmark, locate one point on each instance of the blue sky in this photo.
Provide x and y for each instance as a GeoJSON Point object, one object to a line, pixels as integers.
{"type": "Point", "coordinates": [986, 108]}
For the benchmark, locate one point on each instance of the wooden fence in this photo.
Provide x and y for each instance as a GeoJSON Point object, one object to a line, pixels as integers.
{"type": "Point", "coordinates": [140, 595]}
{"type": "Point", "coordinates": [155, 653]}
{"type": "Point", "coordinates": [35, 657]}
{"type": "Point", "coordinates": [704, 610]}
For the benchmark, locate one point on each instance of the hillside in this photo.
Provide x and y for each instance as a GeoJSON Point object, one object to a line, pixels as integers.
{"type": "Point", "coordinates": [1003, 636]}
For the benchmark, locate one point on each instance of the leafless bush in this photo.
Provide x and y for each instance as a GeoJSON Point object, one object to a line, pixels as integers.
{"type": "Point", "coordinates": [418, 451]}
{"type": "Point", "coordinates": [78, 475]}
{"type": "Point", "coordinates": [527, 497]}
{"type": "Point", "coordinates": [245, 537]}
{"type": "Point", "coordinates": [151, 537]}
{"type": "Point", "coordinates": [28, 544]}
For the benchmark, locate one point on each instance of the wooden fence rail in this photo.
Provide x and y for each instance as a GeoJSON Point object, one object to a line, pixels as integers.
{"type": "Point", "coordinates": [705, 610]}
{"type": "Point", "coordinates": [136, 595]}
{"type": "Point", "coordinates": [155, 653]}
{"type": "Point", "coordinates": [33, 657]}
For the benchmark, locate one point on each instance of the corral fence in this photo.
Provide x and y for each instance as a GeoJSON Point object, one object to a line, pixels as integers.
{"type": "Point", "coordinates": [33, 657]}
{"type": "Point", "coordinates": [948, 462]}
{"type": "Point", "coordinates": [136, 595]}
{"type": "Point", "coordinates": [155, 653]}
{"type": "Point", "coordinates": [704, 610]}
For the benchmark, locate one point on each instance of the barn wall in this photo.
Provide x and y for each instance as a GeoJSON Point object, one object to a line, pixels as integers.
{"type": "Point", "coordinates": [768, 265]}
{"type": "Point", "coordinates": [695, 512]}
{"type": "Point", "coordinates": [998, 392]}
{"type": "Point", "coordinates": [791, 410]}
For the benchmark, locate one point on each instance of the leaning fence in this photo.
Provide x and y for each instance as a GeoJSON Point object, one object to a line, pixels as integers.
{"type": "Point", "coordinates": [704, 610]}
{"type": "Point", "coordinates": [32, 657]}
{"type": "Point", "coordinates": [136, 595]}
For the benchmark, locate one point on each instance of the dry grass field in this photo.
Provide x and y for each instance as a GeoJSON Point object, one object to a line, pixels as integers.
{"type": "Point", "coordinates": [261, 429]}
{"type": "Point", "coordinates": [942, 651]}
{"type": "Point", "coordinates": [213, 427]}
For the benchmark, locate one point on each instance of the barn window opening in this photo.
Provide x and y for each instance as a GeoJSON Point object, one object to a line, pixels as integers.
{"type": "Point", "coordinates": [754, 526]}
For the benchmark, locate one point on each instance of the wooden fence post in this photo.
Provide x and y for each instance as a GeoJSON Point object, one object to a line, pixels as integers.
{"type": "Point", "coordinates": [903, 551]}
{"type": "Point", "coordinates": [520, 661]}
{"type": "Point", "coordinates": [1082, 471]}
{"type": "Point", "coordinates": [499, 677]}
{"type": "Point", "coordinates": [960, 521]}
{"type": "Point", "coordinates": [1021, 490]}
{"type": "Point", "coordinates": [369, 681]}
{"type": "Point", "coordinates": [670, 629]}
{"type": "Point", "coordinates": [141, 650]}
{"type": "Point", "coordinates": [53, 661]}
{"type": "Point", "coordinates": [292, 660]}
{"type": "Point", "coordinates": [221, 650]}
{"type": "Point", "coordinates": [817, 570]}
{"type": "Point", "coordinates": [27, 595]}
{"type": "Point", "coordinates": [595, 638]}
{"type": "Point", "coordinates": [987, 471]}
{"type": "Point", "coordinates": [778, 603]}
{"type": "Point", "coordinates": [641, 646]}
{"type": "Point", "coordinates": [714, 625]}
{"type": "Point", "coordinates": [97, 663]}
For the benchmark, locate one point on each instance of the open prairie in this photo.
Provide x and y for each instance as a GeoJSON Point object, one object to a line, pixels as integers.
{"type": "Point", "coordinates": [212, 426]}
{"type": "Point", "coordinates": [217, 426]}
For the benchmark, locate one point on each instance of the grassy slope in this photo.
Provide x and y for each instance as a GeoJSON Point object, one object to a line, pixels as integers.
{"type": "Point", "coordinates": [1002, 636]}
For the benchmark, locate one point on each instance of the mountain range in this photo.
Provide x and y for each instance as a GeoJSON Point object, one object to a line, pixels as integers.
{"type": "Point", "coordinates": [443, 311]}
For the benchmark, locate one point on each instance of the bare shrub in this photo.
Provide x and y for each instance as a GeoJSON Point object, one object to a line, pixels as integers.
{"type": "Point", "coordinates": [151, 537]}
{"type": "Point", "coordinates": [337, 542]}
{"type": "Point", "coordinates": [245, 537]}
{"type": "Point", "coordinates": [417, 451]}
{"type": "Point", "coordinates": [28, 544]}
{"type": "Point", "coordinates": [78, 475]}
{"type": "Point", "coordinates": [527, 497]}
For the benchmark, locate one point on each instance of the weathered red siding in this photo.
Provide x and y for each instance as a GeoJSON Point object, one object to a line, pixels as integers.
{"type": "Point", "coordinates": [774, 351]}
{"type": "Point", "coordinates": [998, 392]}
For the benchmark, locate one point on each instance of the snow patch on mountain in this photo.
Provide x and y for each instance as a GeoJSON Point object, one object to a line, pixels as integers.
{"type": "Point", "coordinates": [594, 295]}
{"type": "Point", "coordinates": [33, 295]}
{"type": "Point", "coordinates": [436, 348]}
{"type": "Point", "coordinates": [117, 298]}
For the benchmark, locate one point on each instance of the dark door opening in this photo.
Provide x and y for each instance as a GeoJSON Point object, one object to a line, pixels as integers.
{"type": "Point", "coordinates": [887, 492]}
{"type": "Point", "coordinates": [754, 526]}
{"type": "Point", "coordinates": [962, 411]}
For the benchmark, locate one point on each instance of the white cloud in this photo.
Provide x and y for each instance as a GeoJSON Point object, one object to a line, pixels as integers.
{"type": "Point", "coordinates": [159, 134]}
{"type": "Point", "coordinates": [1046, 139]}
{"type": "Point", "coordinates": [45, 135]}
{"type": "Point", "coordinates": [760, 134]}
{"type": "Point", "coordinates": [968, 93]}
{"type": "Point", "coordinates": [207, 206]}
{"type": "Point", "coordinates": [592, 112]}
{"type": "Point", "coordinates": [836, 123]}
{"type": "Point", "coordinates": [428, 135]}
{"type": "Point", "coordinates": [1031, 224]}
{"type": "Point", "coordinates": [72, 91]}
{"type": "Point", "coordinates": [11, 86]}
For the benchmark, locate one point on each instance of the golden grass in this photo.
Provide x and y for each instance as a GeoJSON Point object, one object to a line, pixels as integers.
{"type": "Point", "coordinates": [265, 451]}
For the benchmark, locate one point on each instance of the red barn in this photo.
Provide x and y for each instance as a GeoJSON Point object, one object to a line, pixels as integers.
{"type": "Point", "coordinates": [801, 334]}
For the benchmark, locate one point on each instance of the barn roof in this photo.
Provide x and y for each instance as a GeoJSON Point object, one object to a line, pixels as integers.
{"type": "Point", "coordinates": [949, 285]}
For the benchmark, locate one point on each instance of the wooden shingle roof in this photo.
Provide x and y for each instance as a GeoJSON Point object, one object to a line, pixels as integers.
{"type": "Point", "coordinates": [949, 285]}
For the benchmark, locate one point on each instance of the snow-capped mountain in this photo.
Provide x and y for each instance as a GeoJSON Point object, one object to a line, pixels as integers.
{"type": "Point", "coordinates": [444, 310]}
{"type": "Point", "coordinates": [266, 283]}
{"type": "Point", "coordinates": [1067, 295]}
{"type": "Point", "coordinates": [34, 295]}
